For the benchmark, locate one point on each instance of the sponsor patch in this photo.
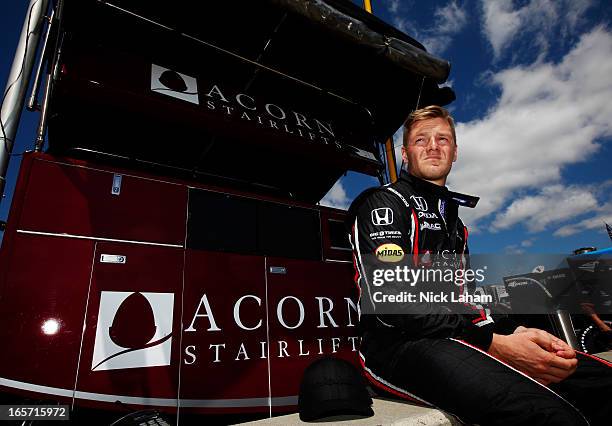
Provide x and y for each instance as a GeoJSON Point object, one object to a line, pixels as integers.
{"type": "Point", "coordinates": [425, 215]}
{"type": "Point", "coordinates": [382, 216]}
{"type": "Point", "coordinates": [389, 253]}
{"type": "Point", "coordinates": [432, 226]}
{"type": "Point", "coordinates": [517, 284]}
{"type": "Point", "coordinates": [401, 197]}
{"type": "Point", "coordinates": [419, 203]}
{"type": "Point", "coordinates": [385, 235]}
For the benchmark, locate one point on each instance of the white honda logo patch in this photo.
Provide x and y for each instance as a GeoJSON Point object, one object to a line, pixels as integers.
{"type": "Point", "coordinates": [134, 330]}
{"type": "Point", "coordinates": [420, 203]}
{"type": "Point", "coordinates": [382, 216]}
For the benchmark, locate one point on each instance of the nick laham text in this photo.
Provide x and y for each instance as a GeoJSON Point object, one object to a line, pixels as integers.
{"type": "Point", "coordinates": [431, 297]}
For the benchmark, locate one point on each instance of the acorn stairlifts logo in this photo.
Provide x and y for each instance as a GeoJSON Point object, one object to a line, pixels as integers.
{"type": "Point", "coordinates": [171, 83]}
{"type": "Point", "coordinates": [134, 330]}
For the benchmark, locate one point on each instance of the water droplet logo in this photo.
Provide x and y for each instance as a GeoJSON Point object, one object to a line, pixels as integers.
{"type": "Point", "coordinates": [134, 329]}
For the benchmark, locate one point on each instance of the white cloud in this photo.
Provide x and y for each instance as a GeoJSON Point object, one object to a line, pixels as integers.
{"type": "Point", "coordinates": [448, 20]}
{"type": "Point", "coordinates": [603, 215]}
{"type": "Point", "coordinates": [336, 197]}
{"type": "Point", "coordinates": [527, 243]}
{"type": "Point", "coordinates": [501, 22]}
{"type": "Point", "coordinates": [393, 6]}
{"type": "Point", "coordinates": [537, 19]}
{"type": "Point", "coordinates": [514, 249]}
{"type": "Point", "coordinates": [519, 248]}
{"type": "Point", "coordinates": [549, 116]}
{"type": "Point", "coordinates": [553, 204]}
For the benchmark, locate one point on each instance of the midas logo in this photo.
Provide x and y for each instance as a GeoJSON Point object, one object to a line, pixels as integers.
{"type": "Point", "coordinates": [389, 253]}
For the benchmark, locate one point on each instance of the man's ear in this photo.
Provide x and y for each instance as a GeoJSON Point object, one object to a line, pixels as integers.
{"type": "Point", "coordinates": [405, 155]}
{"type": "Point", "coordinates": [455, 154]}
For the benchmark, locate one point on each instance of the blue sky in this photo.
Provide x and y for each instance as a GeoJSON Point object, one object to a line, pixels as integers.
{"type": "Point", "coordinates": [534, 119]}
{"type": "Point", "coordinates": [11, 22]}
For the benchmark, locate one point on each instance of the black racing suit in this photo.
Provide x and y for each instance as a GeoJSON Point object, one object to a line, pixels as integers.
{"type": "Point", "coordinates": [435, 354]}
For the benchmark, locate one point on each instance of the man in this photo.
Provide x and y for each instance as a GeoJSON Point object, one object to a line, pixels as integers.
{"type": "Point", "coordinates": [451, 355]}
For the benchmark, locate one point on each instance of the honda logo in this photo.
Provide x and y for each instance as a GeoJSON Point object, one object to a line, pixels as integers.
{"type": "Point", "coordinates": [382, 216]}
{"type": "Point", "coordinates": [420, 203]}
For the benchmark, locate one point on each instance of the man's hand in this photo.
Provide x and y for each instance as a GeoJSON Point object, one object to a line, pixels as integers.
{"type": "Point", "coordinates": [534, 352]}
{"type": "Point", "coordinates": [551, 343]}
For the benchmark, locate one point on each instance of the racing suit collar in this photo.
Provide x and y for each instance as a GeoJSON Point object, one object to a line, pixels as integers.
{"type": "Point", "coordinates": [423, 186]}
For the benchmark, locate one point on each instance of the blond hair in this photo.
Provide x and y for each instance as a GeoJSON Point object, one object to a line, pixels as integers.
{"type": "Point", "coordinates": [432, 111]}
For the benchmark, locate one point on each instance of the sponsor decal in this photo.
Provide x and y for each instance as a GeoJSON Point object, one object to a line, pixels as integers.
{"type": "Point", "coordinates": [382, 216]}
{"type": "Point", "coordinates": [389, 253]}
{"type": "Point", "coordinates": [448, 254]}
{"type": "Point", "coordinates": [419, 203]}
{"type": "Point", "coordinates": [426, 215]}
{"type": "Point", "coordinates": [432, 226]}
{"type": "Point", "coordinates": [557, 276]}
{"type": "Point", "coordinates": [444, 259]}
{"type": "Point", "coordinates": [175, 84]}
{"type": "Point", "coordinates": [385, 235]}
{"type": "Point", "coordinates": [204, 338]}
{"type": "Point", "coordinates": [401, 197]}
{"type": "Point", "coordinates": [244, 107]}
{"type": "Point", "coordinates": [589, 266]}
{"type": "Point", "coordinates": [134, 330]}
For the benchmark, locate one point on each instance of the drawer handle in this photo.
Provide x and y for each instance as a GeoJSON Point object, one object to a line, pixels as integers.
{"type": "Point", "coordinates": [113, 258]}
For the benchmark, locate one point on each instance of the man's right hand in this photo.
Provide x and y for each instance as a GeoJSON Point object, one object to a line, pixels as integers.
{"type": "Point", "coordinates": [533, 353]}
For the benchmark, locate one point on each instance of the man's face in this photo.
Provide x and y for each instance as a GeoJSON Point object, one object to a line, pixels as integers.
{"type": "Point", "coordinates": [431, 150]}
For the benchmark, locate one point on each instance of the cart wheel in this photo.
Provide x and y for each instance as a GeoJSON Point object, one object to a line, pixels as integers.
{"type": "Point", "coordinates": [142, 418]}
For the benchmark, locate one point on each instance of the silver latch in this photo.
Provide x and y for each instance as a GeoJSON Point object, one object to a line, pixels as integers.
{"type": "Point", "coordinates": [116, 189]}
{"type": "Point", "coordinates": [278, 270]}
{"type": "Point", "coordinates": [113, 258]}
